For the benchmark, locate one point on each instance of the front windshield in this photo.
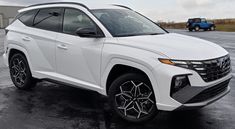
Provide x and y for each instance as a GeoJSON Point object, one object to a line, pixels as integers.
{"type": "Point", "coordinates": [121, 23]}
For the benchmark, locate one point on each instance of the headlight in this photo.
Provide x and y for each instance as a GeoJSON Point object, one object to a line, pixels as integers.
{"type": "Point", "coordinates": [180, 81]}
{"type": "Point", "coordinates": [209, 70]}
{"type": "Point", "coordinates": [166, 61]}
{"type": "Point", "coordinates": [179, 63]}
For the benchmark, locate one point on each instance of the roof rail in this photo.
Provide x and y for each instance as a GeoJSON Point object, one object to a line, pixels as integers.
{"type": "Point", "coordinates": [122, 6]}
{"type": "Point", "coordinates": [60, 3]}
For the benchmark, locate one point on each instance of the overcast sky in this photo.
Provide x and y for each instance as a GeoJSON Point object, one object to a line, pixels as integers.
{"type": "Point", "coordinates": [161, 10]}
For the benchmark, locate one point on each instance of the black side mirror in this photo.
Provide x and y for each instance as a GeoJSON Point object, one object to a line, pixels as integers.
{"type": "Point", "coordinates": [88, 32]}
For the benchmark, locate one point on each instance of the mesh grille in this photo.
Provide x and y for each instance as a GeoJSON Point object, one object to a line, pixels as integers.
{"type": "Point", "coordinates": [214, 69]}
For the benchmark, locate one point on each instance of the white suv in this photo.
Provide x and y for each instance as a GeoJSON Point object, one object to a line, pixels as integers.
{"type": "Point", "coordinates": [120, 54]}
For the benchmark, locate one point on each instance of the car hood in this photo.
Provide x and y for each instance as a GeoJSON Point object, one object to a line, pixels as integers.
{"type": "Point", "coordinates": [210, 22]}
{"type": "Point", "coordinates": [175, 46]}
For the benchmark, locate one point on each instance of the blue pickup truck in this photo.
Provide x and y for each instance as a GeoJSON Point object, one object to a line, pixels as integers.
{"type": "Point", "coordinates": [200, 23]}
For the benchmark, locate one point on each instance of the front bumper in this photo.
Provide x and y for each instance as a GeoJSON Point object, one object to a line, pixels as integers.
{"type": "Point", "coordinates": [192, 97]}
{"type": "Point", "coordinates": [204, 103]}
{"type": "Point", "coordinates": [188, 97]}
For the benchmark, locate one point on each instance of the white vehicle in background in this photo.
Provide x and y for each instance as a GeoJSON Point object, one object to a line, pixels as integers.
{"type": "Point", "coordinates": [119, 53]}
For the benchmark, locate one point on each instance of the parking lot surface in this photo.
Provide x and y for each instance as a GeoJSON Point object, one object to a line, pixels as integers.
{"type": "Point", "coordinates": [52, 106]}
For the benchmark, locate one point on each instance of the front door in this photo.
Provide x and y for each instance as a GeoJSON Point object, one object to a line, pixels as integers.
{"type": "Point", "coordinates": [78, 58]}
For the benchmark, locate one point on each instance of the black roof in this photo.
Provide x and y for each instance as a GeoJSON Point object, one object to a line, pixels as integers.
{"type": "Point", "coordinates": [196, 18]}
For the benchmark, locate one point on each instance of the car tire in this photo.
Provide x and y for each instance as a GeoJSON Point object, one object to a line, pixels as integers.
{"type": "Point", "coordinates": [190, 29]}
{"type": "Point", "coordinates": [20, 72]}
{"type": "Point", "coordinates": [132, 98]}
{"type": "Point", "coordinates": [212, 28]}
{"type": "Point", "coordinates": [197, 28]}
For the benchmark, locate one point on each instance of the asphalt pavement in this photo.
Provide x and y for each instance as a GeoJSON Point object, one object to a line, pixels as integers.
{"type": "Point", "coordinates": [52, 106]}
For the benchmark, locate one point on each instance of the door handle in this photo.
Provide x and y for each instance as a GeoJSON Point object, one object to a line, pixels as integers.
{"type": "Point", "coordinates": [62, 46]}
{"type": "Point", "coordinates": [26, 39]}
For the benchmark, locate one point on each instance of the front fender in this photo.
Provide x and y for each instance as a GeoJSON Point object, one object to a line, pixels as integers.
{"type": "Point", "coordinates": [120, 61]}
{"type": "Point", "coordinates": [132, 57]}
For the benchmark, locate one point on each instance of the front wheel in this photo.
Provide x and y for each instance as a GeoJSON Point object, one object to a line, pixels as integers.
{"type": "Point", "coordinates": [132, 98]}
{"type": "Point", "coordinates": [20, 72]}
{"type": "Point", "coordinates": [212, 28]}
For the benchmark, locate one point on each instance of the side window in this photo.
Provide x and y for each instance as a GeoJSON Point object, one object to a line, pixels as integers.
{"type": "Point", "coordinates": [197, 20]}
{"type": "Point", "coordinates": [75, 19]}
{"type": "Point", "coordinates": [203, 20]}
{"type": "Point", "coordinates": [49, 19]}
{"type": "Point", "coordinates": [28, 17]}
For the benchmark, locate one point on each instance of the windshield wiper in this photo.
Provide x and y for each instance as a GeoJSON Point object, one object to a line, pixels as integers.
{"type": "Point", "coordinates": [156, 33]}
{"type": "Point", "coordinates": [127, 35]}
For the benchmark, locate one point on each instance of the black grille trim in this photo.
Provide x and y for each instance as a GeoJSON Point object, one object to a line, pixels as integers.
{"type": "Point", "coordinates": [211, 70]}
{"type": "Point", "coordinates": [210, 92]}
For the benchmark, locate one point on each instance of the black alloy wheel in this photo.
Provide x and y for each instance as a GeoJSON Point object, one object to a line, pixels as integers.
{"type": "Point", "coordinates": [132, 98]}
{"type": "Point", "coordinates": [20, 72]}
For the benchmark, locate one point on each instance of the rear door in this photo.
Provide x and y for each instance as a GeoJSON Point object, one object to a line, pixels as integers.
{"type": "Point", "coordinates": [40, 38]}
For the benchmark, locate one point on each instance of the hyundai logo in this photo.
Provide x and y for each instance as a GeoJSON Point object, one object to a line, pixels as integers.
{"type": "Point", "coordinates": [221, 63]}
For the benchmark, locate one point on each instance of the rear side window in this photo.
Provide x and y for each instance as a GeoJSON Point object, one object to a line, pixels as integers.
{"type": "Point", "coordinates": [28, 17]}
{"type": "Point", "coordinates": [197, 20]}
{"type": "Point", "coordinates": [49, 19]}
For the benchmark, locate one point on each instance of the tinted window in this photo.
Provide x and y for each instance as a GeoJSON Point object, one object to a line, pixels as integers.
{"type": "Point", "coordinates": [190, 20]}
{"type": "Point", "coordinates": [203, 20]}
{"type": "Point", "coordinates": [75, 19]}
{"type": "Point", "coordinates": [28, 17]}
{"type": "Point", "coordinates": [49, 19]}
{"type": "Point", "coordinates": [197, 20]}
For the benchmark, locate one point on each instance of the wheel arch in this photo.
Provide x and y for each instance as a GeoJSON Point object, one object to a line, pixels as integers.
{"type": "Point", "coordinates": [112, 71]}
{"type": "Point", "coordinates": [13, 49]}
{"type": "Point", "coordinates": [197, 25]}
{"type": "Point", "coordinates": [120, 69]}
{"type": "Point", "coordinates": [213, 25]}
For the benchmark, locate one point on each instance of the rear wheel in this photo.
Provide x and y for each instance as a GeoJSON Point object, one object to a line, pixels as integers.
{"type": "Point", "coordinates": [190, 29]}
{"type": "Point", "coordinates": [197, 28]}
{"type": "Point", "coordinates": [132, 98]}
{"type": "Point", "coordinates": [20, 72]}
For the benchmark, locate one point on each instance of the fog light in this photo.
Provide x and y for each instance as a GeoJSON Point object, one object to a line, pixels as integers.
{"type": "Point", "coordinates": [179, 82]}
